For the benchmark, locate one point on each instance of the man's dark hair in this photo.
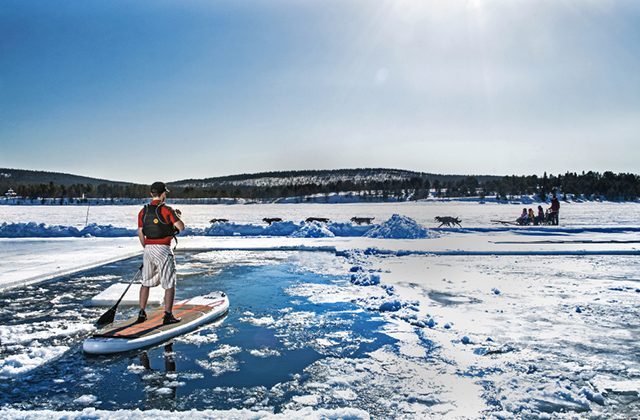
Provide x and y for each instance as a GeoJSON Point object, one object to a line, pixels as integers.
{"type": "Point", "coordinates": [158, 188]}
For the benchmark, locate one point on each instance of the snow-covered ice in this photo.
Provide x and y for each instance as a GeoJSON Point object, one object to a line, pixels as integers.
{"type": "Point", "coordinates": [484, 320]}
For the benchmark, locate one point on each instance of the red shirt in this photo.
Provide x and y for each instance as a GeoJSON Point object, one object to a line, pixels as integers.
{"type": "Point", "coordinates": [168, 214]}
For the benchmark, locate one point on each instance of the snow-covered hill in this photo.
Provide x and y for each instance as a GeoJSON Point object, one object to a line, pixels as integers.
{"type": "Point", "coordinates": [321, 178]}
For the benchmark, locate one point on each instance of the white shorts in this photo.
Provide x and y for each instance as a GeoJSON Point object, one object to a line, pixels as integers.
{"type": "Point", "coordinates": [158, 266]}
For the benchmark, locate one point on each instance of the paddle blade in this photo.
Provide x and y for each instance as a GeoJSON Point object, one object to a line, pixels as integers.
{"type": "Point", "coordinates": [107, 317]}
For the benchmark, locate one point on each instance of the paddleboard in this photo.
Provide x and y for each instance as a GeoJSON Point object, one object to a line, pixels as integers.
{"type": "Point", "coordinates": [128, 335]}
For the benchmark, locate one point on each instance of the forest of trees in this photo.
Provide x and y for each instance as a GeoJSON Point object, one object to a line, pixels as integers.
{"type": "Point", "coordinates": [607, 185]}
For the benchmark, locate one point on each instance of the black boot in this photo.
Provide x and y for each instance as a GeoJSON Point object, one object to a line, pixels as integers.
{"type": "Point", "coordinates": [170, 319]}
{"type": "Point", "coordinates": [142, 316]}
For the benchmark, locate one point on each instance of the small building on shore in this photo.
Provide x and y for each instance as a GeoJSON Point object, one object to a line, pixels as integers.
{"type": "Point", "coordinates": [10, 194]}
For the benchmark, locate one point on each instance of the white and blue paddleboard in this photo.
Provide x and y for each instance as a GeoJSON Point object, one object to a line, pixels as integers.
{"type": "Point", "coordinates": [128, 335]}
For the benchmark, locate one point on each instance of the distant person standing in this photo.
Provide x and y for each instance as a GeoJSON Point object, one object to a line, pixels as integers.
{"type": "Point", "coordinates": [541, 217]}
{"type": "Point", "coordinates": [555, 210]}
{"type": "Point", "coordinates": [157, 225]}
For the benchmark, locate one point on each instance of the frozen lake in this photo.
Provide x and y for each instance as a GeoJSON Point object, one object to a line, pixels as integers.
{"type": "Point", "coordinates": [523, 323]}
{"type": "Point", "coordinates": [471, 213]}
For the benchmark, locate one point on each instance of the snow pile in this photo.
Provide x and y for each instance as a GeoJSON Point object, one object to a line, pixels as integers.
{"type": "Point", "coordinates": [287, 228]}
{"type": "Point", "coordinates": [31, 229]}
{"type": "Point", "coordinates": [108, 231]}
{"type": "Point", "coordinates": [348, 229]}
{"type": "Point", "coordinates": [398, 227]}
{"type": "Point", "coordinates": [34, 230]}
{"type": "Point", "coordinates": [313, 230]}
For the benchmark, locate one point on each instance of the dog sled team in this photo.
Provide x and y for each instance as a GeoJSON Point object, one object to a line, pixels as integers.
{"type": "Point", "coordinates": [527, 217]}
{"type": "Point", "coordinates": [271, 220]}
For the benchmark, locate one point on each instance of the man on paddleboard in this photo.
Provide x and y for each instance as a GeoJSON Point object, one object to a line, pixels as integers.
{"type": "Point", "coordinates": [157, 225]}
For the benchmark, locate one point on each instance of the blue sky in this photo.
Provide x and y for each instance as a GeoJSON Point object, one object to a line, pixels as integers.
{"type": "Point", "coordinates": [186, 89]}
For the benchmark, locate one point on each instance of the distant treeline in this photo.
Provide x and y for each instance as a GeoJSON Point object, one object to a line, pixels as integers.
{"type": "Point", "coordinates": [608, 185]}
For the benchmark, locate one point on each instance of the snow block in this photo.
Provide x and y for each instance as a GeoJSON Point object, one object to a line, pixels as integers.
{"type": "Point", "coordinates": [111, 294]}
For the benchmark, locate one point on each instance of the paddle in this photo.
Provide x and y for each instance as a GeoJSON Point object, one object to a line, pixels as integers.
{"type": "Point", "coordinates": [110, 315]}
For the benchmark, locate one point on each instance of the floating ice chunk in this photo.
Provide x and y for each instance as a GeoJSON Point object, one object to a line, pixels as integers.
{"type": "Point", "coordinates": [25, 333]}
{"type": "Point", "coordinates": [345, 394]}
{"type": "Point", "coordinates": [596, 397]}
{"type": "Point", "coordinates": [198, 338]}
{"type": "Point", "coordinates": [323, 342]}
{"type": "Point", "coordinates": [264, 352]}
{"type": "Point", "coordinates": [224, 350]}
{"type": "Point", "coordinates": [35, 356]}
{"type": "Point", "coordinates": [365, 279]}
{"type": "Point", "coordinates": [174, 384]}
{"type": "Point", "coordinates": [260, 322]}
{"type": "Point", "coordinates": [58, 299]}
{"type": "Point", "coordinates": [219, 366]}
{"type": "Point", "coordinates": [135, 368]}
{"type": "Point", "coordinates": [164, 391]}
{"type": "Point", "coordinates": [561, 399]}
{"type": "Point", "coordinates": [86, 399]}
{"type": "Point", "coordinates": [306, 399]}
{"type": "Point", "coordinates": [625, 387]}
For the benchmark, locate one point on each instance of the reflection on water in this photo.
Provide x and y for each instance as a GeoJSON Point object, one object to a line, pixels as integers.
{"type": "Point", "coordinates": [157, 381]}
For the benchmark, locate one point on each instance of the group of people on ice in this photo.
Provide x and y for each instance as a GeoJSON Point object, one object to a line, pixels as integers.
{"type": "Point", "coordinates": [550, 217]}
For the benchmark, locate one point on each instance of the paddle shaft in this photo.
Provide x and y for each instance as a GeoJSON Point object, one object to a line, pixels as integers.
{"type": "Point", "coordinates": [109, 316]}
{"type": "Point", "coordinates": [127, 289]}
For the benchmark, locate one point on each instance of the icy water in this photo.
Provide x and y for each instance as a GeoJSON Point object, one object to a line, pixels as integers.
{"type": "Point", "coordinates": [461, 337]}
{"type": "Point", "coordinates": [252, 358]}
